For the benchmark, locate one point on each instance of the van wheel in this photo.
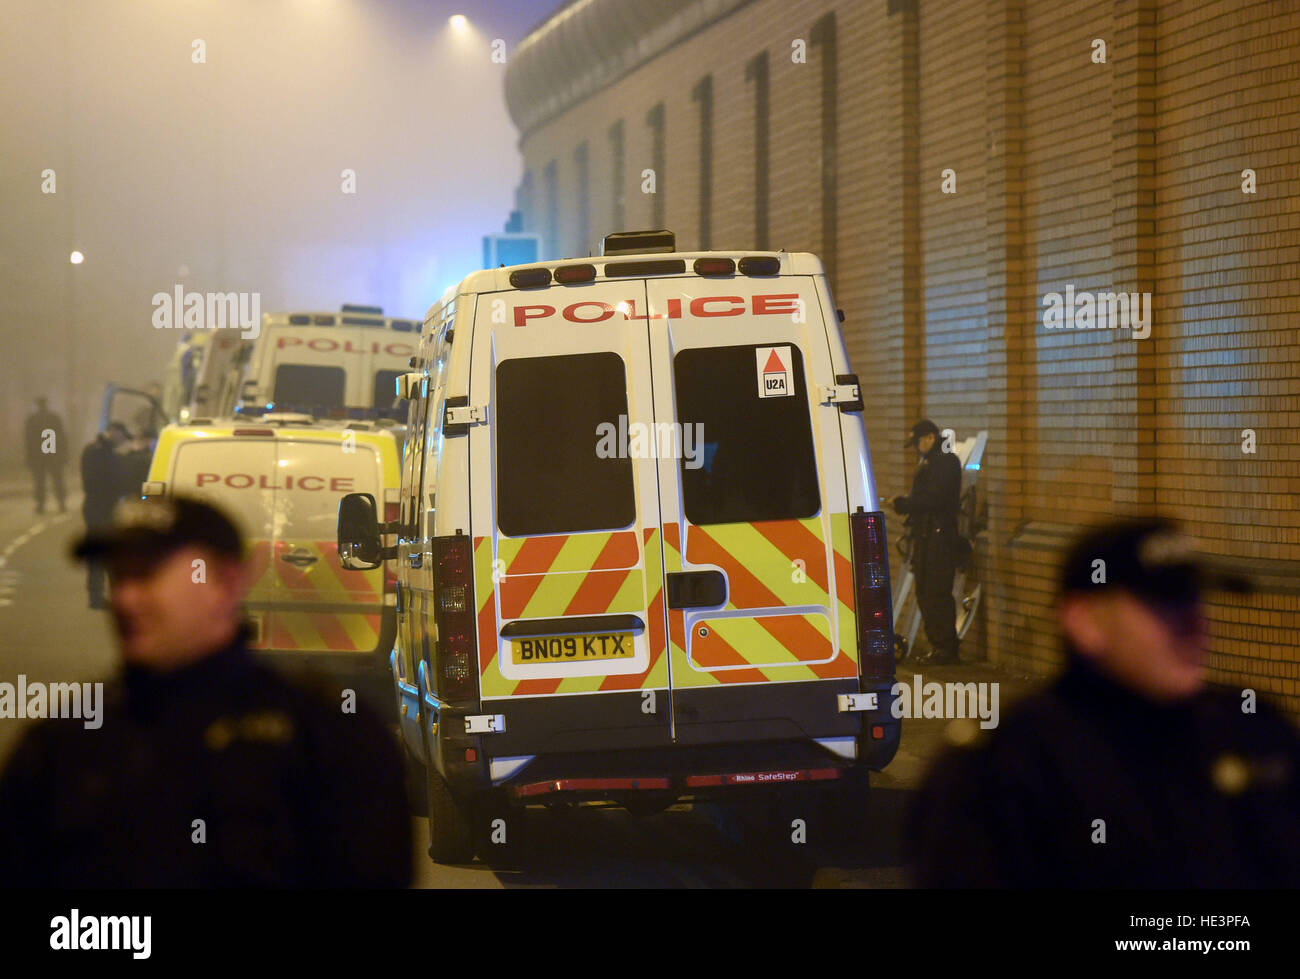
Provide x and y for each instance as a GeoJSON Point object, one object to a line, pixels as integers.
{"type": "Point", "coordinates": [451, 838]}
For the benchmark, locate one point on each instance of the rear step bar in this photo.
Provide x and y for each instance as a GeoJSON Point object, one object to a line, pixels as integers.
{"type": "Point", "coordinates": [562, 785]}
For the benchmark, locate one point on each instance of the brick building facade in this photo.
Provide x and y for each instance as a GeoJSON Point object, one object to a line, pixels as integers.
{"type": "Point", "coordinates": [828, 125]}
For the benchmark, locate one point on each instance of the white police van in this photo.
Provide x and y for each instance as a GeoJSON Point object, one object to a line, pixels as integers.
{"type": "Point", "coordinates": [340, 365]}
{"type": "Point", "coordinates": [640, 552]}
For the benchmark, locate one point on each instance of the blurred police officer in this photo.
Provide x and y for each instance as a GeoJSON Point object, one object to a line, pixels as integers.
{"type": "Point", "coordinates": [931, 508]}
{"type": "Point", "coordinates": [103, 483]}
{"type": "Point", "coordinates": [43, 447]}
{"type": "Point", "coordinates": [208, 769]}
{"type": "Point", "coordinates": [1128, 771]}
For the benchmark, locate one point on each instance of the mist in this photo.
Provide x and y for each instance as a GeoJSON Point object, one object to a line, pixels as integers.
{"type": "Point", "coordinates": [314, 152]}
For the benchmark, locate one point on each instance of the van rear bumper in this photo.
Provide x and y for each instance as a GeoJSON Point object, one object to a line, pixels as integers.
{"type": "Point", "coordinates": [684, 772]}
{"type": "Point", "coordinates": [747, 713]}
{"type": "Point", "coordinates": [710, 731]}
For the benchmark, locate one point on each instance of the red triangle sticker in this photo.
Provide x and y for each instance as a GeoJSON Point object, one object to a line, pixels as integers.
{"type": "Point", "coordinates": [773, 364]}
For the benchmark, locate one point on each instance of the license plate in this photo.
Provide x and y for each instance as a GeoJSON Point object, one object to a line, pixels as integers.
{"type": "Point", "coordinates": [559, 649]}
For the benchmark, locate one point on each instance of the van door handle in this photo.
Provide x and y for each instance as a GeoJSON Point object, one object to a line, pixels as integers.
{"type": "Point", "coordinates": [696, 589]}
{"type": "Point", "coordinates": [299, 558]}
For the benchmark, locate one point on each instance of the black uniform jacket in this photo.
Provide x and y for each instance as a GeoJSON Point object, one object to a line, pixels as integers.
{"type": "Point", "coordinates": [931, 509]}
{"type": "Point", "coordinates": [1088, 785]}
{"type": "Point", "coordinates": [219, 774]}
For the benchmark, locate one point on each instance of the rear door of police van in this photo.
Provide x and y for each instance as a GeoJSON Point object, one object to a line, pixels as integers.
{"type": "Point", "coordinates": [229, 472]}
{"type": "Point", "coordinates": [565, 522]}
{"type": "Point", "coordinates": [758, 573]}
{"type": "Point", "coordinates": [321, 608]}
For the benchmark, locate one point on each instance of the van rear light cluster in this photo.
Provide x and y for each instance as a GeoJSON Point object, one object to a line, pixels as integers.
{"type": "Point", "coordinates": [530, 278]}
{"type": "Point", "coordinates": [871, 591]}
{"type": "Point", "coordinates": [760, 265]}
{"type": "Point", "coordinates": [715, 266]}
{"type": "Point", "coordinates": [456, 658]}
{"type": "Point", "coordinates": [569, 274]}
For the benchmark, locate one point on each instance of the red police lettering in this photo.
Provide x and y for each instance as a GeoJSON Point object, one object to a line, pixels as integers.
{"type": "Point", "coordinates": [302, 483]}
{"type": "Point", "coordinates": [230, 481]}
{"type": "Point", "coordinates": [207, 478]}
{"type": "Point", "coordinates": [522, 315]}
{"type": "Point", "coordinates": [288, 342]}
{"type": "Point", "coordinates": [698, 306]}
{"type": "Point", "coordinates": [571, 312]}
{"type": "Point", "coordinates": [341, 484]}
{"type": "Point", "coordinates": [398, 350]}
{"type": "Point", "coordinates": [328, 345]}
{"type": "Point", "coordinates": [771, 305]}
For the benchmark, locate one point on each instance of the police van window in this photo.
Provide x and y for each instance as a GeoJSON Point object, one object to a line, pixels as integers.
{"type": "Point", "coordinates": [755, 459]}
{"type": "Point", "coordinates": [550, 477]}
{"type": "Point", "coordinates": [386, 403]}
{"type": "Point", "coordinates": [308, 387]}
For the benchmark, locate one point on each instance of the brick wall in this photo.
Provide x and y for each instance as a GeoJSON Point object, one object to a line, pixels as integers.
{"type": "Point", "coordinates": [1116, 176]}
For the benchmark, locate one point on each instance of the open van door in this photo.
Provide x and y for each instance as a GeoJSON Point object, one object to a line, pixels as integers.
{"type": "Point", "coordinates": [138, 410]}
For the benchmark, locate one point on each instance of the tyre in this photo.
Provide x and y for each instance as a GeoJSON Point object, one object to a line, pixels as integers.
{"type": "Point", "coordinates": [451, 836]}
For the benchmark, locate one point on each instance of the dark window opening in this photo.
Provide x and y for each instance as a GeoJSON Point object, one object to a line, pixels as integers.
{"type": "Point", "coordinates": [302, 387]}
{"type": "Point", "coordinates": [552, 475]}
{"type": "Point", "coordinates": [823, 37]}
{"type": "Point", "coordinates": [525, 203]}
{"type": "Point", "coordinates": [386, 403]}
{"type": "Point", "coordinates": [757, 460]}
{"type": "Point", "coordinates": [552, 230]}
{"type": "Point", "coordinates": [757, 72]}
{"type": "Point", "coordinates": [581, 168]}
{"type": "Point", "coordinates": [616, 176]}
{"type": "Point", "coordinates": [658, 161]}
{"type": "Point", "coordinates": [703, 95]}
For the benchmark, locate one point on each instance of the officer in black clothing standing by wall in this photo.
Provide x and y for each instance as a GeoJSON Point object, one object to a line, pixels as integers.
{"type": "Point", "coordinates": [1129, 771]}
{"type": "Point", "coordinates": [931, 508]}
{"type": "Point", "coordinates": [204, 768]}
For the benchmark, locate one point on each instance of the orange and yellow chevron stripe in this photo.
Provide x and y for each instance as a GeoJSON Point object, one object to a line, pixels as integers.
{"type": "Point", "coordinates": [281, 589]}
{"type": "Point", "coordinates": [770, 567]}
{"type": "Point", "coordinates": [561, 575]}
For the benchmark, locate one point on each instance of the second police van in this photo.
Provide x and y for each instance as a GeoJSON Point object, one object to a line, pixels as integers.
{"type": "Point", "coordinates": [640, 554]}
{"type": "Point", "coordinates": [280, 478]}
{"type": "Point", "coordinates": [326, 364]}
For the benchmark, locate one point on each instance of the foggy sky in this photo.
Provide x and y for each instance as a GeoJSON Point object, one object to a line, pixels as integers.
{"type": "Point", "coordinates": [225, 176]}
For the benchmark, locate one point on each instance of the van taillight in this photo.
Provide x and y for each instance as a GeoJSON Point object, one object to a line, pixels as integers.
{"type": "Point", "coordinates": [453, 586]}
{"type": "Point", "coordinates": [871, 591]}
{"type": "Point", "coordinates": [392, 514]}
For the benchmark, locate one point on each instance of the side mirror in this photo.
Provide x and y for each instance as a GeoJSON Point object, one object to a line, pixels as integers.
{"type": "Point", "coordinates": [408, 385]}
{"type": "Point", "coordinates": [360, 547]}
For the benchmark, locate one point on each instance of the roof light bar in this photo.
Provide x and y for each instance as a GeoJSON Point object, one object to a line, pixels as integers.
{"type": "Point", "coordinates": [760, 265]}
{"type": "Point", "coordinates": [715, 266]}
{"type": "Point", "coordinates": [530, 278]}
{"type": "Point", "coordinates": [638, 242]}
{"type": "Point", "coordinates": [663, 266]}
{"type": "Point", "coordinates": [568, 274]}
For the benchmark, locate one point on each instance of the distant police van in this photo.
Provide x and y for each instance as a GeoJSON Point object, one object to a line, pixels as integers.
{"type": "Point", "coordinates": [280, 478]}
{"type": "Point", "coordinates": [640, 553]}
{"type": "Point", "coordinates": [327, 364]}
